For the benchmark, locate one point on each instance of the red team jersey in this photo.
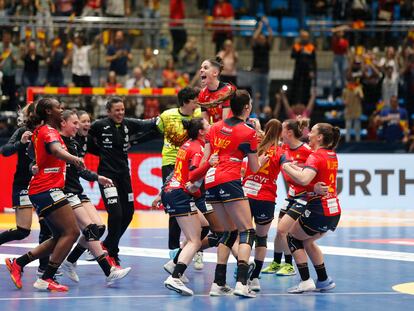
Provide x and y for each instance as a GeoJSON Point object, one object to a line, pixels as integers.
{"type": "Point", "coordinates": [51, 169]}
{"type": "Point", "coordinates": [215, 114]}
{"type": "Point", "coordinates": [325, 163]}
{"type": "Point", "coordinates": [232, 139]}
{"type": "Point", "coordinates": [188, 157]}
{"type": "Point", "coordinates": [262, 185]}
{"type": "Point", "coordinates": [300, 155]}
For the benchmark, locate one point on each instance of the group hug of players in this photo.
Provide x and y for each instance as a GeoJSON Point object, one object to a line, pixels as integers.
{"type": "Point", "coordinates": [224, 174]}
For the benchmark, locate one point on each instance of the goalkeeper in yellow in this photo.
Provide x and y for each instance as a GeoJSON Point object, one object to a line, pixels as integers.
{"type": "Point", "coordinates": [174, 136]}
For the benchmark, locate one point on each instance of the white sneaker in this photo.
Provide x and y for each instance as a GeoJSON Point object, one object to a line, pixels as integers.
{"type": "Point", "coordinates": [217, 290]}
{"type": "Point", "coordinates": [302, 287]}
{"type": "Point", "coordinates": [243, 291]}
{"type": "Point", "coordinates": [169, 268]}
{"type": "Point", "coordinates": [89, 256]}
{"type": "Point", "coordinates": [178, 286]}
{"type": "Point", "coordinates": [254, 284]}
{"type": "Point", "coordinates": [70, 270]}
{"type": "Point", "coordinates": [117, 274]}
{"type": "Point", "coordinates": [198, 261]}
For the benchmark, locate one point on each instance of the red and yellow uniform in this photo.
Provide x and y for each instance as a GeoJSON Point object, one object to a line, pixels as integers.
{"type": "Point", "coordinates": [187, 166]}
{"type": "Point", "coordinates": [231, 139]}
{"type": "Point", "coordinates": [51, 169]}
{"type": "Point", "coordinates": [262, 185]}
{"type": "Point", "coordinates": [325, 163]}
{"type": "Point", "coordinates": [215, 114]}
{"type": "Point", "coordinates": [299, 155]}
{"type": "Point", "coordinates": [177, 200]}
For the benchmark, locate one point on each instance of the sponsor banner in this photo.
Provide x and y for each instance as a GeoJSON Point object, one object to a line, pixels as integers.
{"type": "Point", "coordinates": [365, 181]}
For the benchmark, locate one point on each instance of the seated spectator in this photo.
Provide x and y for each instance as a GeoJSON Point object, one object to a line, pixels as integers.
{"type": "Point", "coordinates": [190, 57]}
{"type": "Point", "coordinates": [394, 123]}
{"type": "Point", "coordinates": [169, 74]}
{"type": "Point", "coordinates": [230, 57]}
{"type": "Point", "coordinates": [138, 80]}
{"type": "Point", "coordinates": [31, 60]}
{"type": "Point", "coordinates": [352, 96]}
{"type": "Point", "coordinates": [111, 80]}
{"type": "Point", "coordinates": [149, 64]}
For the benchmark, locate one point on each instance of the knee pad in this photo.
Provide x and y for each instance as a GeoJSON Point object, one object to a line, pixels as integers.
{"type": "Point", "coordinates": [294, 244]}
{"type": "Point", "coordinates": [214, 238]}
{"type": "Point", "coordinates": [91, 233]}
{"type": "Point", "coordinates": [19, 233]}
{"type": "Point", "coordinates": [247, 237]}
{"type": "Point", "coordinates": [101, 229]}
{"type": "Point", "coordinates": [261, 241]}
{"type": "Point", "coordinates": [229, 238]}
{"type": "Point", "coordinates": [204, 232]}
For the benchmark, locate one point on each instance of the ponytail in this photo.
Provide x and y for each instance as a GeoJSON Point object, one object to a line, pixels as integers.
{"type": "Point", "coordinates": [272, 132]}
{"type": "Point", "coordinates": [331, 135]}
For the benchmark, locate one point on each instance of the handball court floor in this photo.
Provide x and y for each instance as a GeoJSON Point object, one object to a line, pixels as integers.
{"type": "Point", "coordinates": [370, 257]}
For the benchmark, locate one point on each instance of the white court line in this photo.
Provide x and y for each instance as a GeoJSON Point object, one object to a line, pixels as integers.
{"type": "Point", "coordinates": [211, 257]}
{"type": "Point", "coordinates": [201, 295]}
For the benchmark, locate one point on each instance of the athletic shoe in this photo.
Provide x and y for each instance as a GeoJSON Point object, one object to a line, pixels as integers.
{"type": "Point", "coordinates": [324, 286]}
{"type": "Point", "coordinates": [302, 287]}
{"type": "Point", "coordinates": [254, 284]}
{"type": "Point", "coordinates": [244, 291]}
{"type": "Point", "coordinates": [89, 256]}
{"type": "Point", "coordinates": [117, 274]}
{"type": "Point", "coordinates": [272, 268]}
{"type": "Point", "coordinates": [15, 272]}
{"type": "Point", "coordinates": [169, 268]}
{"type": "Point", "coordinates": [50, 285]}
{"type": "Point", "coordinates": [286, 270]}
{"type": "Point", "coordinates": [178, 286]}
{"type": "Point", "coordinates": [198, 261]}
{"type": "Point", "coordinates": [70, 270]}
{"type": "Point", "coordinates": [252, 265]}
{"type": "Point", "coordinates": [217, 290]}
{"type": "Point", "coordinates": [172, 253]}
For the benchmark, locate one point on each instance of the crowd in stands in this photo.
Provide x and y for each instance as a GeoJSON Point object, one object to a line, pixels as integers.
{"type": "Point", "coordinates": [372, 87]}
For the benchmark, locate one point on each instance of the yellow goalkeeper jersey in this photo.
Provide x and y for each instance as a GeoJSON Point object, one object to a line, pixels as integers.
{"type": "Point", "coordinates": [170, 125]}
